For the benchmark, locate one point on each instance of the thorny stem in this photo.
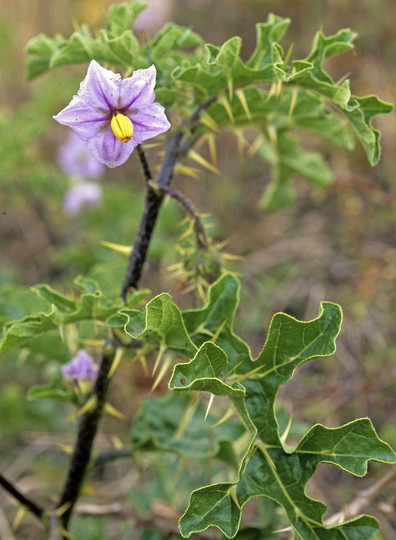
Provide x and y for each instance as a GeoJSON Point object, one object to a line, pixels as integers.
{"type": "Point", "coordinates": [154, 197]}
{"type": "Point", "coordinates": [199, 229]}
{"type": "Point", "coordinates": [144, 163]}
{"type": "Point", "coordinates": [37, 510]}
{"type": "Point", "coordinates": [82, 450]}
{"type": "Point", "coordinates": [151, 210]}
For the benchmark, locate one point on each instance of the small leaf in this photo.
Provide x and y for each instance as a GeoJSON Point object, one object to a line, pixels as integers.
{"type": "Point", "coordinates": [51, 296]}
{"type": "Point", "coordinates": [267, 33]}
{"type": "Point", "coordinates": [54, 390]}
{"type": "Point", "coordinates": [126, 49]}
{"type": "Point", "coordinates": [42, 48]}
{"type": "Point", "coordinates": [278, 194]}
{"type": "Point", "coordinates": [82, 47]}
{"type": "Point", "coordinates": [172, 37]}
{"type": "Point", "coordinates": [17, 302]}
{"type": "Point", "coordinates": [360, 117]}
{"type": "Point", "coordinates": [211, 505]}
{"type": "Point", "coordinates": [122, 16]}
{"type": "Point", "coordinates": [164, 326]}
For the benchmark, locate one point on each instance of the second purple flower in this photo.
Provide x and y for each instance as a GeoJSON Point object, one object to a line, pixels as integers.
{"type": "Point", "coordinates": [113, 115]}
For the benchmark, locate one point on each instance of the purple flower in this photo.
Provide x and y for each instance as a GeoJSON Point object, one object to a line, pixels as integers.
{"type": "Point", "coordinates": [113, 115]}
{"type": "Point", "coordinates": [81, 367]}
{"type": "Point", "coordinates": [80, 195]}
{"type": "Point", "coordinates": [154, 16]}
{"type": "Point", "coordinates": [75, 160]}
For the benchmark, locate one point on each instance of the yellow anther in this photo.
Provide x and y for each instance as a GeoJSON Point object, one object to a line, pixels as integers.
{"type": "Point", "coordinates": [122, 127]}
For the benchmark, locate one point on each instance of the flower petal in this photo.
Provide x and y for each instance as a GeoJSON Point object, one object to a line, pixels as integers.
{"type": "Point", "coordinates": [138, 90]}
{"type": "Point", "coordinates": [84, 119]}
{"type": "Point", "coordinates": [106, 148]}
{"type": "Point", "coordinates": [81, 195]}
{"type": "Point", "coordinates": [100, 88]}
{"type": "Point", "coordinates": [149, 122]}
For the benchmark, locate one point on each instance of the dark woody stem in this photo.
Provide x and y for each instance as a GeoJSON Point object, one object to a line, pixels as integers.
{"type": "Point", "coordinates": [25, 501]}
{"type": "Point", "coordinates": [139, 252]}
{"type": "Point", "coordinates": [154, 196]}
{"type": "Point", "coordinates": [82, 450]}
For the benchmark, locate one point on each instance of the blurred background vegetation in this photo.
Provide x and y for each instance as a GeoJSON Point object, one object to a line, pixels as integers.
{"type": "Point", "coordinates": [337, 244]}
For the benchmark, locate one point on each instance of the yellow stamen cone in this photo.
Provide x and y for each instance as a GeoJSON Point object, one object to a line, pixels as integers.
{"type": "Point", "coordinates": [122, 127]}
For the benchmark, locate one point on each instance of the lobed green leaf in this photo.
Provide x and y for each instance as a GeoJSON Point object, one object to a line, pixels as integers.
{"type": "Point", "coordinates": [268, 467]}
{"type": "Point", "coordinates": [90, 306]}
{"type": "Point", "coordinates": [270, 473]}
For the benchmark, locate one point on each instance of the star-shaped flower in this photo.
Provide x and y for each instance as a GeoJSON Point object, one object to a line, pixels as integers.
{"type": "Point", "coordinates": [80, 195]}
{"type": "Point", "coordinates": [76, 161]}
{"type": "Point", "coordinates": [113, 115]}
{"type": "Point", "coordinates": [82, 366]}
